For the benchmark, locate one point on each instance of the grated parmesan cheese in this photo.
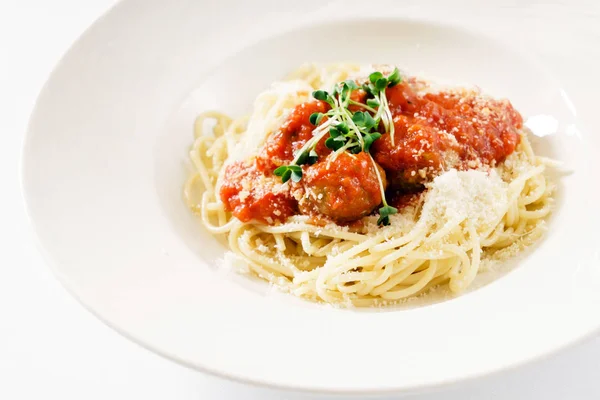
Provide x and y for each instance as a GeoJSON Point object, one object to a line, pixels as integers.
{"type": "Point", "coordinates": [232, 263]}
{"type": "Point", "coordinates": [473, 195]}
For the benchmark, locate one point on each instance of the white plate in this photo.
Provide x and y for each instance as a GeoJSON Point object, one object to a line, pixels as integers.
{"type": "Point", "coordinates": [105, 159]}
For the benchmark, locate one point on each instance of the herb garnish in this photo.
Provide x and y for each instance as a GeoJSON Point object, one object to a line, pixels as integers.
{"type": "Point", "coordinates": [349, 131]}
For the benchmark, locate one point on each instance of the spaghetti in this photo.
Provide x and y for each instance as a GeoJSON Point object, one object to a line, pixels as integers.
{"type": "Point", "coordinates": [464, 212]}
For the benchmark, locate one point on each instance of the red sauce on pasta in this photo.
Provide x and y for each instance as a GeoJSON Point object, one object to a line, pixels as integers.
{"type": "Point", "coordinates": [433, 132]}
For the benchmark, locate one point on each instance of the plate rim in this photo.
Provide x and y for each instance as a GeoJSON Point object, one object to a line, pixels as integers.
{"type": "Point", "coordinates": [64, 280]}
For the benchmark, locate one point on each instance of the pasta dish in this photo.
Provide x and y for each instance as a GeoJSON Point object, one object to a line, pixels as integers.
{"type": "Point", "coordinates": [366, 186]}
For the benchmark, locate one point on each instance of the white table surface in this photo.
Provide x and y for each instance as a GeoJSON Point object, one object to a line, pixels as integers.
{"type": "Point", "coordinates": [50, 347]}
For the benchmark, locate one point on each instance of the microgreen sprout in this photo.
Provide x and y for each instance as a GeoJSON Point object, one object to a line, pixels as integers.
{"type": "Point", "coordinates": [349, 131]}
{"type": "Point", "coordinates": [289, 171]}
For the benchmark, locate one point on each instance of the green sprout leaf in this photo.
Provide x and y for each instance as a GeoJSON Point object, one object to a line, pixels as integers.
{"type": "Point", "coordinates": [394, 78]}
{"type": "Point", "coordinates": [284, 172]}
{"type": "Point", "coordinates": [321, 95]}
{"type": "Point", "coordinates": [384, 214]}
{"type": "Point", "coordinates": [280, 171]}
{"type": "Point", "coordinates": [296, 176]}
{"type": "Point", "coordinates": [296, 172]}
{"type": "Point", "coordinates": [359, 119]}
{"type": "Point", "coordinates": [364, 121]}
{"type": "Point", "coordinates": [381, 84]}
{"type": "Point", "coordinates": [351, 84]}
{"type": "Point", "coordinates": [375, 76]}
{"type": "Point", "coordinates": [343, 128]}
{"type": "Point", "coordinates": [302, 158]}
{"type": "Point", "coordinates": [374, 102]}
{"type": "Point", "coordinates": [369, 122]}
{"type": "Point", "coordinates": [313, 157]}
{"type": "Point", "coordinates": [370, 138]}
{"type": "Point", "coordinates": [315, 118]}
{"type": "Point", "coordinates": [289, 171]}
{"type": "Point", "coordinates": [334, 132]}
{"type": "Point", "coordinates": [333, 144]}
{"type": "Point", "coordinates": [343, 93]}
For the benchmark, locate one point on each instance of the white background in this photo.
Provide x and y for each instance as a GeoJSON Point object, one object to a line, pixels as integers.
{"type": "Point", "coordinates": [50, 347]}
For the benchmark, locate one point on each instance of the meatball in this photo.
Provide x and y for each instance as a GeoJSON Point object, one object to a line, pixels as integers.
{"type": "Point", "coordinates": [417, 147]}
{"type": "Point", "coordinates": [344, 189]}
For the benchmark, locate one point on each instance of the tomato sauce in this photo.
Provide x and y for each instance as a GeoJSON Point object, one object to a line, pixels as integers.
{"type": "Point", "coordinates": [250, 195]}
{"type": "Point", "coordinates": [293, 134]}
{"type": "Point", "coordinates": [432, 133]}
{"type": "Point", "coordinates": [444, 130]}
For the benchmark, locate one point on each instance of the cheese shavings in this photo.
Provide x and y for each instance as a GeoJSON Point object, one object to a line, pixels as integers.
{"type": "Point", "coordinates": [473, 195]}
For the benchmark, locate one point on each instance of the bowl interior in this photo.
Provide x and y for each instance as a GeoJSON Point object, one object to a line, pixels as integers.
{"type": "Point", "coordinates": [429, 50]}
{"type": "Point", "coordinates": [106, 157]}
